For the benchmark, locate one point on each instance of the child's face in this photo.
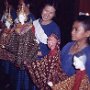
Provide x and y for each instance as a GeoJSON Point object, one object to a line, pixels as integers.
{"type": "Point", "coordinates": [21, 18]}
{"type": "Point", "coordinates": [78, 32]}
{"type": "Point", "coordinates": [52, 41]}
{"type": "Point", "coordinates": [7, 24]}
{"type": "Point", "coordinates": [48, 13]}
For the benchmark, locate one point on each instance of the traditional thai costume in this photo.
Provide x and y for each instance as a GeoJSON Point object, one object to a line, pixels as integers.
{"type": "Point", "coordinates": [47, 69]}
{"type": "Point", "coordinates": [6, 57]}
{"type": "Point", "coordinates": [4, 39]}
{"type": "Point", "coordinates": [23, 45]}
{"type": "Point", "coordinates": [78, 81]}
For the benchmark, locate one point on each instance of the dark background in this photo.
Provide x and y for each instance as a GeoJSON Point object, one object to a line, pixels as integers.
{"type": "Point", "coordinates": [66, 13]}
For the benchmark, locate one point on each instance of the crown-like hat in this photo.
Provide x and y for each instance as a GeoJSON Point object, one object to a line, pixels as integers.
{"type": "Point", "coordinates": [9, 17]}
{"type": "Point", "coordinates": [21, 11]}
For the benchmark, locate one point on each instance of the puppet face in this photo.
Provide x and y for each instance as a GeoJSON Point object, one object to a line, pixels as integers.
{"type": "Point", "coordinates": [21, 18]}
{"type": "Point", "coordinates": [52, 41]}
{"type": "Point", "coordinates": [7, 24]}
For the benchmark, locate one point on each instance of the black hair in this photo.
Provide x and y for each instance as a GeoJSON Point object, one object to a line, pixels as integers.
{"type": "Point", "coordinates": [56, 37]}
{"type": "Point", "coordinates": [51, 3]}
{"type": "Point", "coordinates": [85, 20]}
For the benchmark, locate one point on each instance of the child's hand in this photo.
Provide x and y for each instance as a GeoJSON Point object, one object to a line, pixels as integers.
{"type": "Point", "coordinates": [39, 53]}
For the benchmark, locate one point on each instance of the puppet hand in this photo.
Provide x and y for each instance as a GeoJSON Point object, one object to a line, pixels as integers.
{"type": "Point", "coordinates": [50, 83]}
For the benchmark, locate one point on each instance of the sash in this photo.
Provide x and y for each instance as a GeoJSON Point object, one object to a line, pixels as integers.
{"type": "Point", "coordinates": [78, 79]}
{"type": "Point", "coordinates": [39, 32]}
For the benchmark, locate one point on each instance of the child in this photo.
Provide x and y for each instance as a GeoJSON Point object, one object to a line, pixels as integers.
{"type": "Point", "coordinates": [45, 26]}
{"type": "Point", "coordinates": [80, 44]}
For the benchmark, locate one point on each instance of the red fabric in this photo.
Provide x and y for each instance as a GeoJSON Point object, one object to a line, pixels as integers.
{"type": "Point", "coordinates": [78, 79]}
{"type": "Point", "coordinates": [33, 29]}
{"type": "Point", "coordinates": [52, 52]}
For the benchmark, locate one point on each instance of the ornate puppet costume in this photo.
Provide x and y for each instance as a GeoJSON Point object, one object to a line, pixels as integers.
{"type": "Point", "coordinates": [68, 84]}
{"type": "Point", "coordinates": [5, 56]}
{"type": "Point", "coordinates": [78, 81]}
{"type": "Point", "coordinates": [47, 69]}
{"type": "Point", "coordinates": [4, 38]}
{"type": "Point", "coordinates": [22, 43]}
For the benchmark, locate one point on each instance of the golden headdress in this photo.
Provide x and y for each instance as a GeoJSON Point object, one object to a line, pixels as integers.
{"type": "Point", "coordinates": [21, 10]}
{"type": "Point", "coordinates": [7, 6]}
{"type": "Point", "coordinates": [9, 17]}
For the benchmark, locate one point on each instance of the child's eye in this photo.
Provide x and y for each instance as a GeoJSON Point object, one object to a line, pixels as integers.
{"type": "Point", "coordinates": [76, 29]}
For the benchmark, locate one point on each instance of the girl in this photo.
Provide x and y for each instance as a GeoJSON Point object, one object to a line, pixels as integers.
{"type": "Point", "coordinates": [80, 44]}
{"type": "Point", "coordinates": [44, 27]}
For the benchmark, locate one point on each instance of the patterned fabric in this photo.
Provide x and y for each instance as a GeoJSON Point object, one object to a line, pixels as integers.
{"type": "Point", "coordinates": [68, 84]}
{"type": "Point", "coordinates": [4, 39]}
{"type": "Point", "coordinates": [22, 44]}
{"type": "Point", "coordinates": [45, 70]}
